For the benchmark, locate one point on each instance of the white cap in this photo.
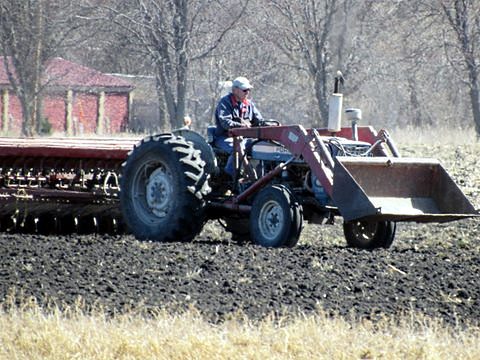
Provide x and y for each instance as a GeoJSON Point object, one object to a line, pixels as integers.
{"type": "Point", "coordinates": [241, 83]}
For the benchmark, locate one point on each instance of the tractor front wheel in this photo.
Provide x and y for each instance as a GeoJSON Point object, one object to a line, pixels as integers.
{"type": "Point", "coordinates": [369, 234]}
{"type": "Point", "coordinates": [276, 218]}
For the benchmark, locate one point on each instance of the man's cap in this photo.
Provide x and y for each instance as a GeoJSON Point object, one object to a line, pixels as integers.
{"type": "Point", "coordinates": [241, 83]}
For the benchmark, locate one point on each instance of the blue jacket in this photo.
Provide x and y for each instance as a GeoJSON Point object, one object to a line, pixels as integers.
{"type": "Point", "coordinates": [229, 113]}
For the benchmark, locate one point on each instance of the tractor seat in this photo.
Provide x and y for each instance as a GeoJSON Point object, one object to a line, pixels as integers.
{"type": "Point", "coordinates": [217, 150]}
{"type": "Point", "coordinates": [211, 141]}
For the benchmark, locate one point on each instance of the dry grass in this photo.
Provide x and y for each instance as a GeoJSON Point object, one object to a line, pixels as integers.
{"type": "Point", "coordinates": [29, 333]}
{"type": "Point", "coordinates": [433, 136]}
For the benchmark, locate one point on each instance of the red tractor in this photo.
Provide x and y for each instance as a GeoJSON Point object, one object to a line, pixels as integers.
{"type": "Point", "coordinates": [173, 183]}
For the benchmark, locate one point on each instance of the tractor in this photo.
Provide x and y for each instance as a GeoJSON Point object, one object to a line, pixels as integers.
{"type": "Point", "coordinates": [173, 183]}
{"type": "Point", "coordinates": [165, 187]}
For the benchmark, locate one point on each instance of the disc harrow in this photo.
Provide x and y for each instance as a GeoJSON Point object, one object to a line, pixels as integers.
{"type": "Point", "coordinates": [59, 186]}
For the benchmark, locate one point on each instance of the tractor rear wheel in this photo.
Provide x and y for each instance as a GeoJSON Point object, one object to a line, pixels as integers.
{"type": "Point", "coordinates": [369, 234]}
{"type": "Point", "coordinates": [162, 188]}
{"type": "Point", "coordinates": [276, 218]}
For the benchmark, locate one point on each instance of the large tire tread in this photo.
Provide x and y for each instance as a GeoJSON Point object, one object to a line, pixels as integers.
{"type": "Point", "coordinates": [187, 215]}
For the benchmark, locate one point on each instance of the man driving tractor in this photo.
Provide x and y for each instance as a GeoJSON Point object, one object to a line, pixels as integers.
{"type": "Point", "coordinates": [235, 110]}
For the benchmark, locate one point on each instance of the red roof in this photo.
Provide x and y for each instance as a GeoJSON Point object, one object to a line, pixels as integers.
{"type": "Point", "coordinates": [64, 73]}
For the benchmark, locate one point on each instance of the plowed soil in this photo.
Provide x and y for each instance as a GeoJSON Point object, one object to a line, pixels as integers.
{"type": "Point", "coordinates": [430, 269]}
{"type": "Point", "coordinates": [222, 278]}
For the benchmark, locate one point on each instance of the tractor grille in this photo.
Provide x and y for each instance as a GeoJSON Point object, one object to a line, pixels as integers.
{"type": "Point", "coordinates": [347, 147]}
{"type": "Point", "coordinates": [354, 150]}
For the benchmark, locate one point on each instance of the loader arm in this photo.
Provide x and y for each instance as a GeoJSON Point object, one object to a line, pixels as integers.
{"type": "Point", "coordinates": [301, 144]}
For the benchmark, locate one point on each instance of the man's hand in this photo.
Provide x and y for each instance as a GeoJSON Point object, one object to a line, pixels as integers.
{"type": "Point", "coordinates": [245, 123]}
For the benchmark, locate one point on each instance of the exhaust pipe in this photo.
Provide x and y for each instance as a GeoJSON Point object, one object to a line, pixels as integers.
{"type": "Point", "coordinates": [335, 106]}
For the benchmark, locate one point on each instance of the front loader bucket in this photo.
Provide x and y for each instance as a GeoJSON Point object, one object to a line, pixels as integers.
{"type": "Point", "coordinates": [397, 189]}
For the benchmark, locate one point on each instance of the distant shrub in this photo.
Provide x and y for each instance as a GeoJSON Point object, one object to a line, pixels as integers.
{"type": "Point", "coordinates": [45, 127]}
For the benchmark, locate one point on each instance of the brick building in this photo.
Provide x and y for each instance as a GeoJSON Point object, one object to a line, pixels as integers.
{"type": "Point", "coordinates": [78, 100]}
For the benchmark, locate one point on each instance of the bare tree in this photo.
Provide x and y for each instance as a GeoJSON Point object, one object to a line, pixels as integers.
{"type": "Point", "coordinates": [317, 38]}
{"type": "Point", "coordinates": [173, 34]}
{"type": "Point", "coordinates": [303, 29]}
{"type": "Point", "coordinates": [437, 38]}
{"type": "Point", "coordinates": [22, 28]}
{"type": "Point", "coordinates": [409, 54]}
{"type": "Point", "coordinates": [401, 60]}
{"type": "Point", "coordinates": [463, 19]}
{"type": "Point", "coordinates": [31, 32]}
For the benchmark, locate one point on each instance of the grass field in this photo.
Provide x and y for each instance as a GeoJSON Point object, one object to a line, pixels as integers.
{"type": "Point", "coordinates": [30, 332]}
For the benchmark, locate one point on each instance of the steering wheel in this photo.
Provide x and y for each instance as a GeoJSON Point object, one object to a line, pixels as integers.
{"type": "Point", "coordinates": [270, 122]}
